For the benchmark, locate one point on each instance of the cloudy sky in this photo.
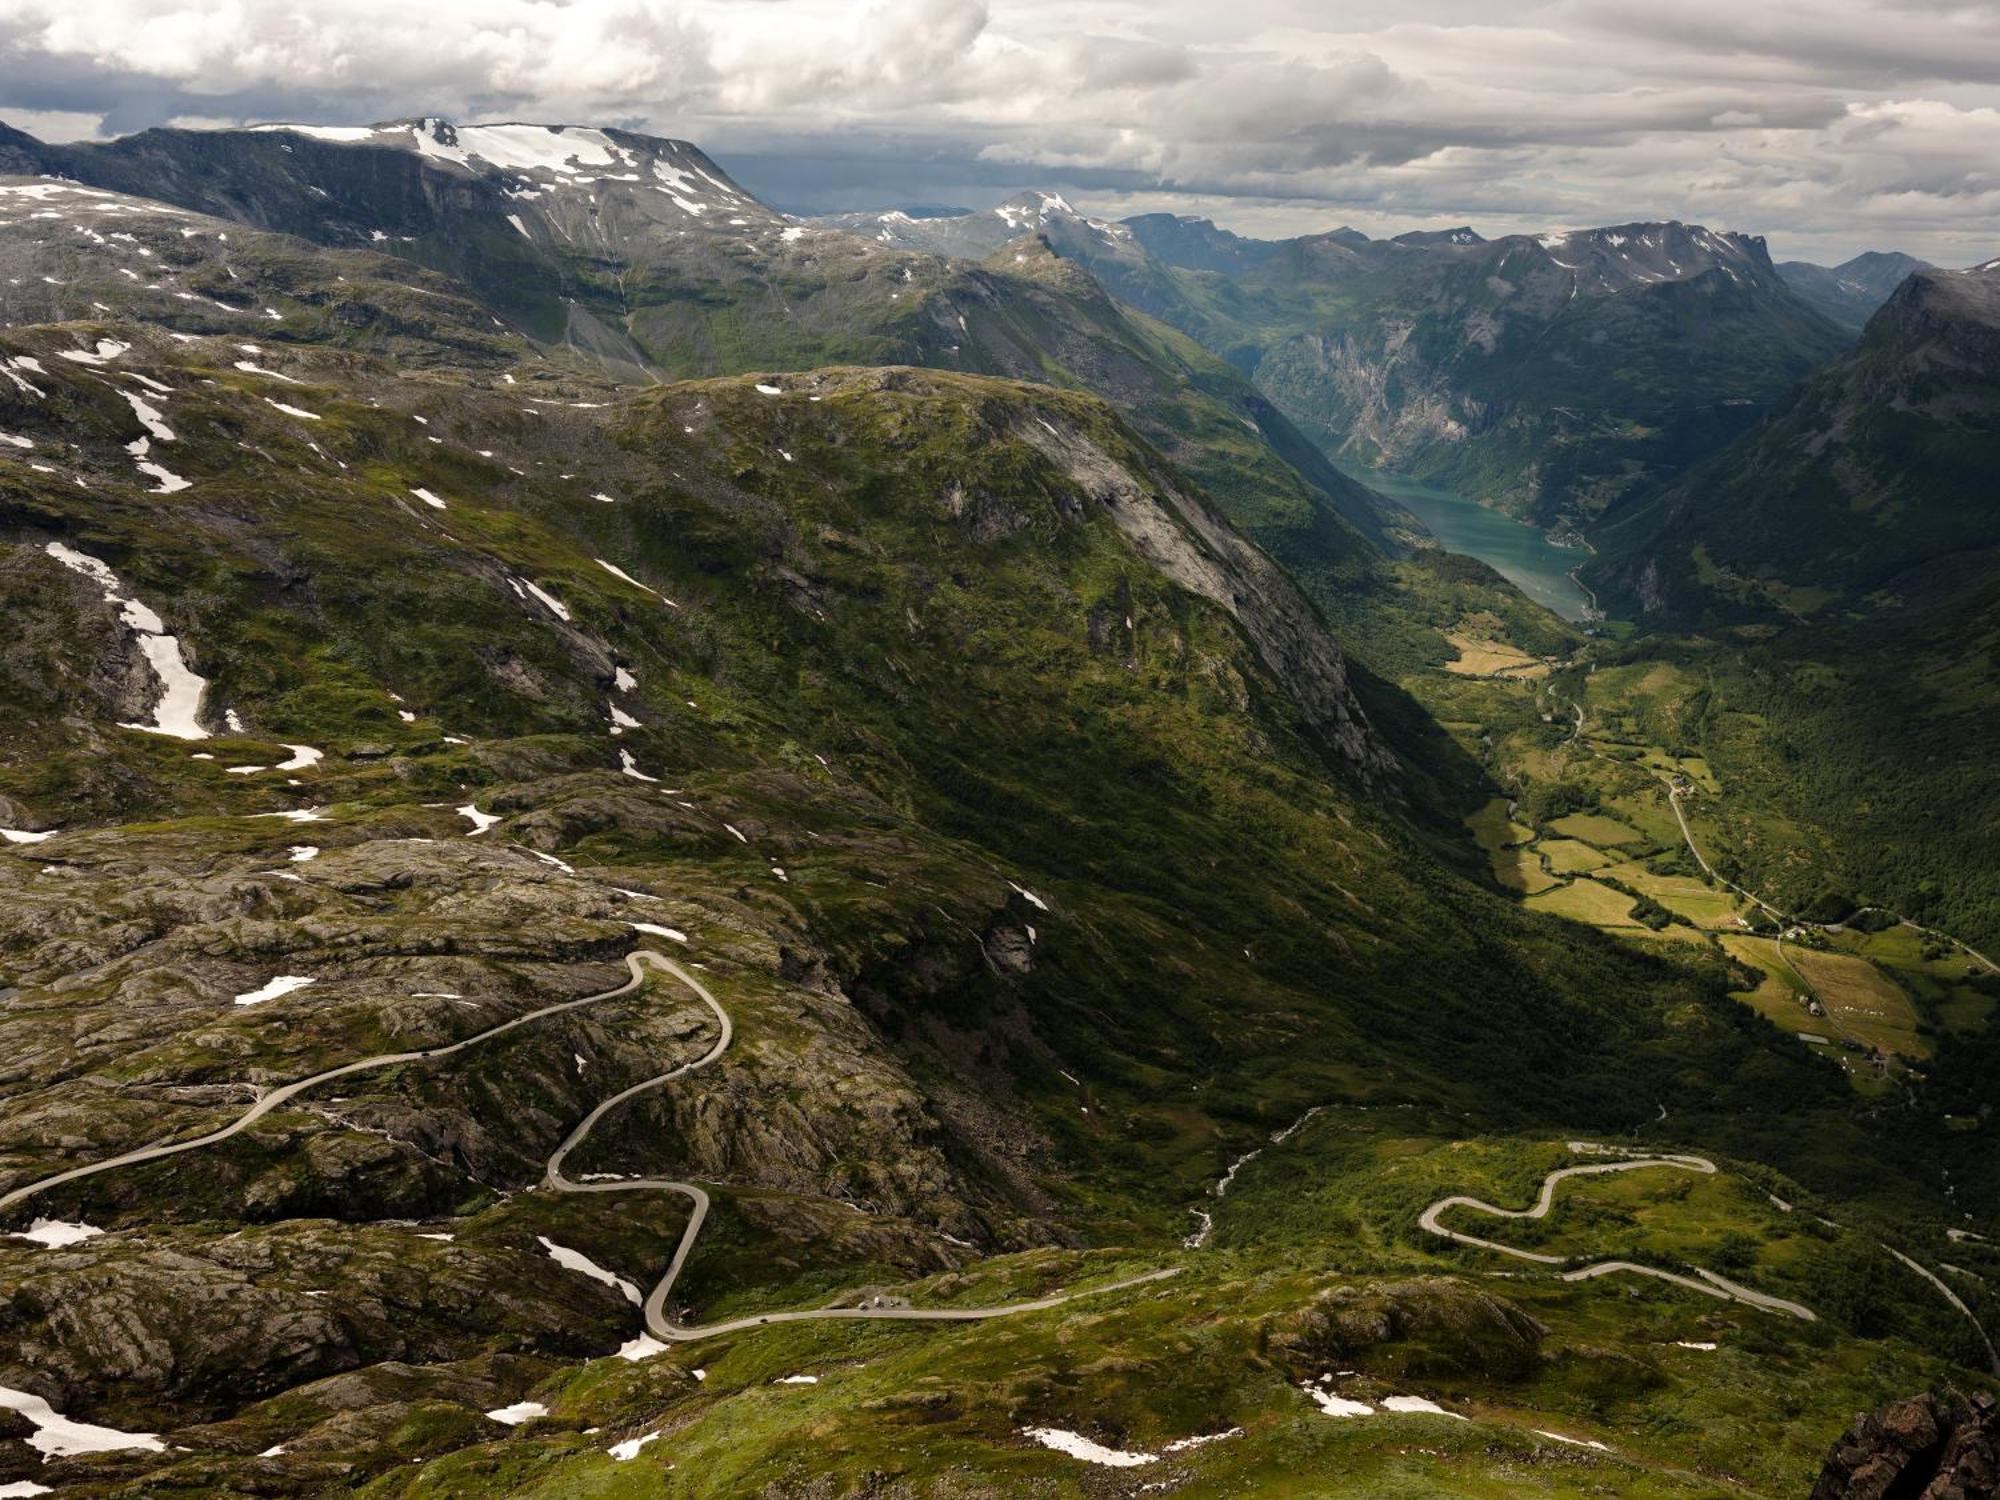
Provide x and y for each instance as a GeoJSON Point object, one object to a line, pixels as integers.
{"type": "Point", "coordinates": [1830, 125]}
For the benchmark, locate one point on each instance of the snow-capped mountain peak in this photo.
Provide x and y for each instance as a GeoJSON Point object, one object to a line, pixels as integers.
{"type": "Point", "coordinates": [537, 158]}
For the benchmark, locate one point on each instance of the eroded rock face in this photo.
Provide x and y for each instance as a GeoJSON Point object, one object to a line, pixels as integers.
{"type": "Point", "coordinates": [1928, 1447]}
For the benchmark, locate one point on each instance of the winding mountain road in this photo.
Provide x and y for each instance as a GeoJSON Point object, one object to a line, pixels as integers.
{"type": "Point", "coordinates": [654, 1310]}
{"type": "Point", "coordinates": [1710, 1283]}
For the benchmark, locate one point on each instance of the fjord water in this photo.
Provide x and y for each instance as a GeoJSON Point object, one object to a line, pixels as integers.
{"type": "Point", "coordinates": [1521, 553]}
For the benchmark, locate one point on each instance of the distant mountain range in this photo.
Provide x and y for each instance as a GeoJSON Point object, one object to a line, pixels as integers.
{"type": "Point", "coordinates": [1850, 292]}
{"type": "Point", "coordinates": [1873, 473]}
{"type": "Point", "coordinates": [1553, 376]}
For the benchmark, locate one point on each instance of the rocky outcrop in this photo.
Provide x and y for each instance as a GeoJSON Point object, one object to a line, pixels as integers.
{"type": "Point", "coordinates": [1928, 1447]}
{"type": "Point", "coordinates": [1432, 1327]}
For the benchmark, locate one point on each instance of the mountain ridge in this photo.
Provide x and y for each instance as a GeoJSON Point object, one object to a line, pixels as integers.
{"type": "Point", "coordinates": [1850, 292]}
{"type": "Point", "coordinates": [1554, 375]}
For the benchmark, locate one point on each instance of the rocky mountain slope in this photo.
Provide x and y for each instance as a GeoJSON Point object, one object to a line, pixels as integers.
{"type": "Point", "coordinates": [383, 672]}
{"type": "Point", "coordinates": [1849, 293]}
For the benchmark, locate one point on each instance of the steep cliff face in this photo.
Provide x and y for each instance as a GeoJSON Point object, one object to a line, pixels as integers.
{"type": "Point", "coordinates": [1189, 543]}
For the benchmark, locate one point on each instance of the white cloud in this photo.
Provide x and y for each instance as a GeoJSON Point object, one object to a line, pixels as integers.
{"type": "Point", "coordinates": [1829, 124]}
{"type": "Point", "coordinates": [58, 124]}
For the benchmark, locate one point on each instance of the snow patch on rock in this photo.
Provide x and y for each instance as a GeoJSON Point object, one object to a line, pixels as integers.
{"type": "Point", "coordinates": [57, 1436]}
{"type": "Point", "coordinates": [284, 984]}
{"type": "Point", "coordinates": [1076, 1445]}
{"type": "Point", "coordinates": [576, 1260]}
{"type": "Point", "coordinates": [181, 689]}
{"type": "Point", "coordinates": [53, 1234]}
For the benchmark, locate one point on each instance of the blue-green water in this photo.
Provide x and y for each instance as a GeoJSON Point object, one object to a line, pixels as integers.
{"type": "Point", "coordinates": [1519, 552]}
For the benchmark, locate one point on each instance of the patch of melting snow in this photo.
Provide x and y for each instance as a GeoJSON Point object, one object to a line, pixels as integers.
{"type": "Point", "coordinates": [438, 1235]}
{"type": "Point", "coordinates": [672, 933]}
{"type": "Point", "coordinates": [177, 713]}
{"type": "Point", "coordinates": [617, 572]}
{"type": "Point", "coordinates": [576, 1260]}
{"type": "Point", "coordinates": [1574, 1442]}
{"type": "Point", "coordinates": [429, 499]}
{"type": "Point", "coordinates": [796, 1380]}
{"type": "Point", "coordinates": [170, 482]}
{"type": "Point", "coordinates": [294, 411]}
{"type": "Point", "coordinates": [768, 390]}
{"type": "Point", "coordinates": [645, 1346]}
{"type": "Point", "coordinates": [23, 836]}
{"type": "Point", "coordinates": [1418, 1404]}
{"type": "Point", "coordinates": [296, 815]}
{"type": "Point", "coordinates": [1030, 897]}
{"type": "Point", "coordinates": [631, 767]}
{"type": "Point", "coordinates": [548, 601]}
{"type": "Point", "coordinates": [53, 1234]}
{"type": "Point", "coordinates": [1693, 1344]}
{"type": "Point", "coordinates": [519, 1412]}
{"type": "Point", "coordinates": [303, 852]}
{"type": "Point", "coordinates": [620, 720]}
{"type": "Point", "coordinates": [623, 680]}
{"type": "Point", "coordinates": [1076, 1445]}
{"type": "Point", "coordinates": [249, 368]}
{"type": "Point", "coordinates": [106, 351]}
{"type": "Point", "coordinates": [629, 1449]}
{"type": "Point", "coordinates": [284, 984]}
{"type": "Point", "coordinates": [480, 821]}
{"type": "Point", "coordinates": [1181, 1445]}
{"type": "Point", "coordinates": [302, 756]}
{"type": "Point", "coordinates": [548, 859]}
{"type": "Point", "coordinates": [57, 1436]}
{"type": "Point", "coordinates": [1332, 1403]}
{"type": "Point", "coordinates": [149, 416]}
